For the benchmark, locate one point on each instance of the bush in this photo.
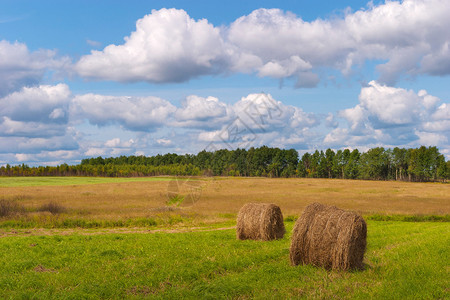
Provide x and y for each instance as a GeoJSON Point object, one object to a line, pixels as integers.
{"type": "Point", "coordinates": [52, 207]}
{"type": "Point", "coordinates": [9, 207]}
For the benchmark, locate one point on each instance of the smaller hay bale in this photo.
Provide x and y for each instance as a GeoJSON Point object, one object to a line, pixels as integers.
{"type": "Point", "coordinates": [260, 221]}
{"type": "Point", "coordinates": [329, 237]}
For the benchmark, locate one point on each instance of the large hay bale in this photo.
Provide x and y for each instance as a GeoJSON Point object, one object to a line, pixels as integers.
{"type": "Point", "coordinates": [260, 221]}
{"type": "Point", "coordinates": [329, 237]}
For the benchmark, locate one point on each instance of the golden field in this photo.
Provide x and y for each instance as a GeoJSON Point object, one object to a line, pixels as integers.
{"type": "Point", "coordinates": [215, 199]}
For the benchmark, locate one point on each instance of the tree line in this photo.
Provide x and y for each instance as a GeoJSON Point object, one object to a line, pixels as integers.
{"type": "Point", "coordinates": [415, 164]}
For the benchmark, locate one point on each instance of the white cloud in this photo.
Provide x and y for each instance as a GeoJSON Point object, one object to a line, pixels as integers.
{"type": "Point", "coordinates": [442, 113]}
{"type": "Point", "coordinates": [262, 112]}
{"type": "Point", "coordinates": [438, 62]}
{"type": "Point", "coordinates": [51, 158]}
{"type": "Point", "coordinates": [92, 43]}
{"type": "Point", "coordinates": [10, 127]}
{"type": "Point", "coordinates": [213, 136]}
{"type": "Point", "coordinates": [164, 142]}
{"type": "Point", "coordinates": [167, 46]}
{"type": "Point", "coordinates": [258, 119]}
{"type": "Point", "coordinates": [37, 123]}
{"type": "Point", "coordinates": [202, 112]}
{"type": "Point", "coordinates": [44, 103]}
{"type": "Point", "coordinates": [254, 120]}
{"type": "Point", "coordinates": [436, 126]}
{"type": "Point", "coordinates": [95, 152]}
{"type": "Point", "coordinates": [307, 80]}
{"type": "Point", "coordinates": [133, 113]}
{"type": "Point", "coordinates": [131, 143]}
{"type": "Point", "coordinates": [431, 138]}
{"type": "Point", "coordinates": [393, 116]}
{"type": "Point", "coordinates": [411, 37]}
{"type": "Point", "coordinates": [40, 111]}
{"type": "Point", "coordinates": [429, 101]}
{"type": "Point", "coordinates": [303, 139]}
{"type": "Point", "coordinates": [19, 67]}
{"type": "Point", "coordinates": [331, 121]}
{"type": "Point", "coordinates": [57, 113]}
{"type": "Point", "coordinates": [284, 68]}
{"type": "Point", "coordinates": [113, 143]}
{"type": "Point", "coordinates": [37, 144]}
{"type": "Point", "coordinates": [391, 105]}
{"type": "Point", "coordinates": [285, 44]}
{"type": "Point", "coordinates": [21, 157]}
{"type": "Point", "coordinates": [117, 143]}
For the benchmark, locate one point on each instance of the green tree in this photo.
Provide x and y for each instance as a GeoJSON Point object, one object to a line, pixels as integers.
{"type": "Point", "coordinates": [329, 162]}
{"type": "Point", "coordinates": [352, 159]}
{"type": "Point", "coordinates": [374, 164]}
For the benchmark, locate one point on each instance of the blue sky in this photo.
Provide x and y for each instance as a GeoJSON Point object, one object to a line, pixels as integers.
{"type": "Point", "coordinates": [89, 78]}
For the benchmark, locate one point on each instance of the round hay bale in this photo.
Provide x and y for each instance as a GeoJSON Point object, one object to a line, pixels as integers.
{"type": "Point", "coordinates": [329, 237]}
{"type": "Point", "coordinates": [260, 221]}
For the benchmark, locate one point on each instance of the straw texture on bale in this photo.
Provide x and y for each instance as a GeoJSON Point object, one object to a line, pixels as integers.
{"type": "Point", "coordinates": [260, 221]}
{"type": "Point", "coordinates": [329, 237]}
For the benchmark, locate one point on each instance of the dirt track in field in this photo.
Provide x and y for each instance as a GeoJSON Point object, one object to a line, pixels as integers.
{"type": "Point", "coordinates": [79, 231]}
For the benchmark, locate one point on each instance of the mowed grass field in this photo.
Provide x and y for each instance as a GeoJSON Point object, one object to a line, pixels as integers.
{"type": "Point", "coordinates": [404, 261]}
{"type": "Point", "coordinates": [118, 239]}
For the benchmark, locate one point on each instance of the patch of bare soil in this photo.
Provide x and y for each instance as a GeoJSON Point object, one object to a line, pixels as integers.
{"type": "Point", "coordinates": [41, 269]}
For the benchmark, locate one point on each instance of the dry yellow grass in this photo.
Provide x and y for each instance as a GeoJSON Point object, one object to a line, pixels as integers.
{"type": "Point", "coordinates": [293, 195]}
{"type": "Point", "coordinates": [221, 196]}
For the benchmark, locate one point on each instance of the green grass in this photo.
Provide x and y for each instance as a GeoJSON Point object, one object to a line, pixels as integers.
{"type": "Point", "coordinates": [52, 222]}
{"type": "Point", "coordinates": [405, 260]}
{"type": "Point", "coordinates": [409, 218]}
{"type": "Point", "coordinates": [55, 181]}
{"type": "Point", "coordinates": [161, 220]}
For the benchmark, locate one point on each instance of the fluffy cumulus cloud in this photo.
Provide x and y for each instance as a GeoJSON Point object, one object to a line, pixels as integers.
{"type": "Point", "coordinates": [200, 112]}
{"type": "Point", "coordinates": [410, 37]}
{"type": "Point", "coordinates": [19, 67]}
{"type": "Point", "coordinates": [47, 124]}
{"type": "Point", "coordinates": [133, 113]}
{"type": "Point", "coordinates": [10, 127]}
{"type": "Point", "coordinates": [34, 119]}
{"type": "Point", "coordinates": [393, 116]}
{"type": "Point", "coordinates": [256, 119]}
{"type": "Point", "coordinates": [39, 150]}
{"type": "Point", "coordinates": [259, 119]}
{"type": "Point", "coordinates": [35, 111]}
{"type": "Point", "coordinates": [119, 147]}
{"type": "Point", "coordinates": [167, 46]}
{"type": "Point", "coordinates": [132, 143]}
{"type": "Point", "coordinates": [283, 45]}
{"type": "Point", "coordinates": [34, 125]}
{"type": "Point", "coordinates": [262, 112]}
{"type": "Point", "coordinates": [37, 144]}
{"type": "Point", "coordinates": [253, 120]}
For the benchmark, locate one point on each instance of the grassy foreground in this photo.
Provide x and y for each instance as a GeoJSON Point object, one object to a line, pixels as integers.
{"type": "Point", "coordinates": [404, 261]}
{"type": "Point", "coordinates": [90, 238]}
